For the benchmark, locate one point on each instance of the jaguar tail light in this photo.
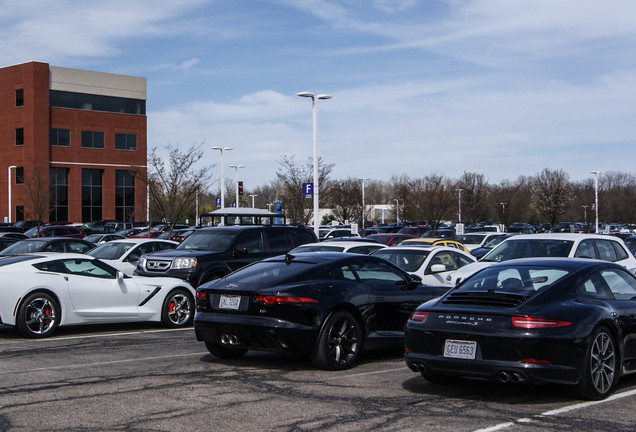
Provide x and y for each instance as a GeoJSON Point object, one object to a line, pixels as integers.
{"type": "Point", "coordinates": [278, 299]}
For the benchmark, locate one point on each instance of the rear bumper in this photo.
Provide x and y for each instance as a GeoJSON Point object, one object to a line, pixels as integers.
{"type": "Point", "coordinates": [253, 332]}
{"type": "Point", "coordinates": [504, 371]}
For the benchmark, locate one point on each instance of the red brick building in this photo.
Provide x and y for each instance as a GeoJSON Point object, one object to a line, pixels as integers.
{"type": "Point", "coordinates": [69, 140]}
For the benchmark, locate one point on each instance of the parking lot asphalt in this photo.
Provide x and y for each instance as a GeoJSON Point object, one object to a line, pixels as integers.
{"type": "Point", "coordinates": [143, 378]}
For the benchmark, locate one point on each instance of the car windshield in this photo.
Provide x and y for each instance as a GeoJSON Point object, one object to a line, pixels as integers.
{"type": "Point", "coordinates": [524, 280]}
{"type": "Point", "coordinates": [522, 248]}
{"type": "Point", "coordinates": [32, 232]}
{"type": "Point", "coordinates": [23, 247]}
{"type": "Point", "coordinates": [209, 240]}
{"type": "Point", "coordinates": [471, 238]}
{"type": "Point", "coordinates": [494, 242]}
{"type": "Point", "coordinates": [407, 260]}
{"type": "Point", "coordinates": [270, 272]}
{"type": "Point", "coordinates": [94, 238]}
{"type": "Point", "coordinates": [111, 250]}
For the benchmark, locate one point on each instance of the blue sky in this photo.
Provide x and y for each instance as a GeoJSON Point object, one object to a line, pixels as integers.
{"type": "Point", "coordinates": [500, 87]}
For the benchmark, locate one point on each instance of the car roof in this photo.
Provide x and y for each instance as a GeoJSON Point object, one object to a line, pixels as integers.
{"type": "Point", "coordinates": [142, 240]}
{"type": "Point", "coordinates": [343, 243]}
{"type": "Point", "coordinates": [564, 262]}
{"type": "Point", "coordinates": [424, 247]}
{"type": "Point", "coordinates": [561, 236]}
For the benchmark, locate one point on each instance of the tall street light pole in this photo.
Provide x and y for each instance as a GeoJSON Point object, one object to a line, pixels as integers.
{"type": "Point", "coordinates": [363, 205]}
{"type": "Point", "coordinates": [460, 205]}
{"type": "Point", "coordinates": [596, 173]}
{"type": "Point", "coordinates": [9, 186]}
{"type": "Point", "coordinates": [236, 181]}
{"type": "Point", "coordinates": [314, 98]}
{"type": "Point", "coordinates": [253, 196]}
{"type": "Point", "coordinates": [397, 209]}
{"type": "Point", "coordinates": [222, 150]}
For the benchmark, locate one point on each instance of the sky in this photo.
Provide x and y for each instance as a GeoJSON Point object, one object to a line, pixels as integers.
{"type": "Point", "coordinates": [419, 87]}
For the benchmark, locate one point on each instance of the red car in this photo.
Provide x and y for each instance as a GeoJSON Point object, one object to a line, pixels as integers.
{"type": "Point", "coordinates": [390, 239]}
{"type": "Point", "coordinates": [56, 231]}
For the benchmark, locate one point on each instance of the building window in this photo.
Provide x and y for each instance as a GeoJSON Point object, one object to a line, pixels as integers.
{"type": "Point", "coordinates": [58, 188]}
{"type": "Point", "coordinates": [125, 142]}
{"type": "Point", "coordinates": [19, 213]}
{"type": "Point", "coordinates": [91, 195]}
{"type": "Point", "coordinates": [124, 196]}
{"type": "Point", "coordinates": [60, 137]}
{"type": "Point", "coordinates": [19, 175]}
{"type": "Point", "coordinates": [83, 101]}
{"type": "Point", "coordinates": [19, 136]}
{"type": "Point", "coordinates": [19, 97]}
{"type": "Point", "coordinates": [92, 139]}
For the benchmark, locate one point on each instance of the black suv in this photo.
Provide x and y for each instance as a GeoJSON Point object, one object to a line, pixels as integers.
{"type": "Point", "coordinates": [211, 253]}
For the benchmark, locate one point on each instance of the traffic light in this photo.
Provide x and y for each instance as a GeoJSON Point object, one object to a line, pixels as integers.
{"type": "Point", "coordinates": [240, 188]}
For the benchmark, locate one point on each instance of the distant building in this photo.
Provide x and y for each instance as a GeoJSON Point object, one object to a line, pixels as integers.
{"type": "Point", "coordinates": [76, 134]}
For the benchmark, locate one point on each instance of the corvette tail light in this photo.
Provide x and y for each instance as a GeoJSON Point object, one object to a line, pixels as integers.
{"type": "Point", "coordinates": [200, 295]}
{"type": "Point", "coordinates": [270, 300]}
{"type": "Point", "coordinates": [535, 323]}
{"type": "Point", "coordinates": [419, 316]}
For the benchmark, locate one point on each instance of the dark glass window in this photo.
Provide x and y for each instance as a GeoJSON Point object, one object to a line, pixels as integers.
{"type": "Point", "coordinates": [125, 142]}
{"type": "Point", "coordinates": [60, 137]}
{"type": "Point", "coordinates": [19, 97]}
{"type": "Point", "coordinates": [91, 195]}
{"type": "Point", "coordinates": [83, 101]}
{"type": "Point", "coordinates": [92, 139]}
{"type": "Point", "coordinates": [19, 136]}
{"type": "Point", "coordinates": [58, 188]}
{"type": "Point", "coordinates": [124, 196]}
{"type": "Point", "coordinates": [19, 175]}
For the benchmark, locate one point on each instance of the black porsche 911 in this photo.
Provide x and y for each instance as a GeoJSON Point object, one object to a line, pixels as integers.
{"type": "Point", "coordinates": [329, 305]}
{"type": "Point", "coordinates": [565, 321]}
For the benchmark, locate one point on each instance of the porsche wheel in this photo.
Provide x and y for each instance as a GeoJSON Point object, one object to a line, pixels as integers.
{"type": "Point", "coordinates": [600, 369]}
{"type": "Point", "coordinates": [38, 315]}
{"type": "Point", "coordinates": [178, 309]}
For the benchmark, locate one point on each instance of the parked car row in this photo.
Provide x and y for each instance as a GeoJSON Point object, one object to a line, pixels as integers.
{"type": "Point", "coordinates": [538, 308]}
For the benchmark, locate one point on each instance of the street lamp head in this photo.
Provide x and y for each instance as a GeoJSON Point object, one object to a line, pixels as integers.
{"type": "Point", "coordinates": [323, 96]}
{"type": "Point", "coordinates": [222, 148]}
{"type": "Point", "coordinates": [237, 166]}
{"type": "Point", "coordinates": [306, 94]}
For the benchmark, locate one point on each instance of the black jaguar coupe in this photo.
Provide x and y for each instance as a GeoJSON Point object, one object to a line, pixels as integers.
{"type": "Point", "coordinates": [329, 305]}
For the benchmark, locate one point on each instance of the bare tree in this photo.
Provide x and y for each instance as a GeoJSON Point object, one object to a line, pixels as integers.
{"type": "Point", "coordinates": [345, 199]}
{"type": "Point", "coordinates": [436, 198]}
{"type": "Point", "coordinates": [292, 176]}
{"type": "Point", "coordinates": [551, 193]}
{"type": "Point", "coordinates": [474, 195]}
{"type": "Point", "coordinates": [174, 184]}
{"type": "Point", "coordinates": [36, 194]}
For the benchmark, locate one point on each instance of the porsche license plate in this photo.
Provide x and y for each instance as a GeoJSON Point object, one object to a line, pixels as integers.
{"type": "Point", "coordinates": [229, 301]}
{"type": "Point", "coordinates": [460, 349]}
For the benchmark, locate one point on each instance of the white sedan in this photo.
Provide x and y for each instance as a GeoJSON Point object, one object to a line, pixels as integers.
{"type": "Point", "coordinates": [432, 263]}
{"type": "Point", "coordinates": [39, 292]}
{"type": "Point", "coordinates": [124, 254]}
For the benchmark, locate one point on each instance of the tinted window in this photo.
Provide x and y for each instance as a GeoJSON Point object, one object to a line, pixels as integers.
{"type": "Point", "coordinates": [278, 240]}
{"type": "Point", "coordinates": [521, 280]}
{"type": "Point", "coordinates": [209, 240]}
{"type": "Point", "coordinates": [585, 250]}
{"type": "Point", "coordinates": [250, 240]}
{"type": "Point", "coordinates": [606, 251]}
{"type": "Point", "coordinates": [621, 253]}
{"type": "Point", "coordinates": [622, 285]}
{"type": "Point", "coordinates": [78, 247]}
{"type": "Point", "coordinates": [378, 273]}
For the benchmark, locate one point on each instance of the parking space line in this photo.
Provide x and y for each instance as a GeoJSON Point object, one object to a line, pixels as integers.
{"type": "Point", "coordinates": [366, 373]}
{"type": "Point", "coordinates": [53, 339]}
{"type": "Point", "coordinates": [557, 411]}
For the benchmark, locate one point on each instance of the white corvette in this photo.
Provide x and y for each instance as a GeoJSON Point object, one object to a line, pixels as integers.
{"type": "Point", "coordinates": [40, 292]}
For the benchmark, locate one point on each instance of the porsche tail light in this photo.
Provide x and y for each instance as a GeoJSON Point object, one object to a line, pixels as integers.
{"type": "Point", "coordinates": [270, 300]}
{"type": "Point", "coordinates": [419, 316]}
{"type": "Point", "coordinates": [536, 323]}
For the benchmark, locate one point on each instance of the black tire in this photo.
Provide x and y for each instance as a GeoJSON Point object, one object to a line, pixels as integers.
{"type": "Point", "coordinates": [177, 309]}
{"type": "Point", "coordinates": [600, 368]}
{"type": "Point", "coordinates": [38, 315]}
{"type": "Point", "coordinates": [224, 353]}
{"type": "Point", "coordinates": [338, 343]}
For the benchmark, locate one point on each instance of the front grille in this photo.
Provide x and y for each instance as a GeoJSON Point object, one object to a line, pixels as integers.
{"type": "Point", "coordinates": [485, 299]}
{"type": "Point", "coordinates": [157, 265]}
